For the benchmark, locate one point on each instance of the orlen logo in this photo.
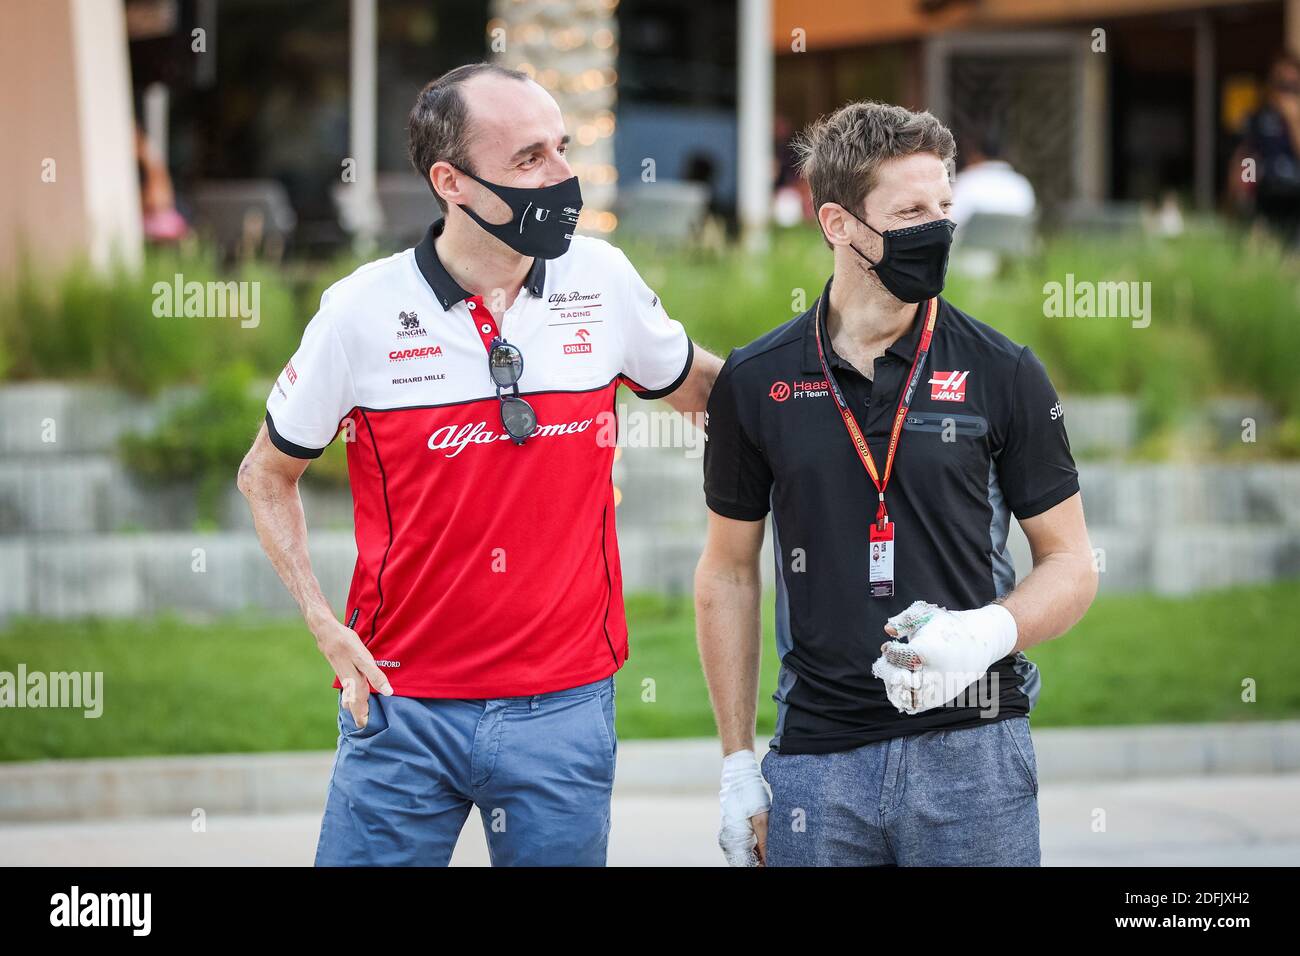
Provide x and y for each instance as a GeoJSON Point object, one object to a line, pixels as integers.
{"type": "Point", "coordinates": [579, 348]}
{"type": "Point", "coordinates": [948, 386]}
{"type": "Point", "coordinates": [779, 391]}
{"type": "Point", "coordinates": [402, 355]}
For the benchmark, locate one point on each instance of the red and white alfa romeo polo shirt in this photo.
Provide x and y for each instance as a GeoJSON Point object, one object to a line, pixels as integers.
{"type": "Point", "coordinates": [484, 568]}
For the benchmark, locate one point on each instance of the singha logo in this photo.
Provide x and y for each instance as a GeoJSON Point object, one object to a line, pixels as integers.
{"type": "Point", "coordinates": [410, 325]}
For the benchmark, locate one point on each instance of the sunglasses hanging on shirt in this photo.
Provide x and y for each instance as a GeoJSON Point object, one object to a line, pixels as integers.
{"type": "Point", "coordinates": [506, 365]}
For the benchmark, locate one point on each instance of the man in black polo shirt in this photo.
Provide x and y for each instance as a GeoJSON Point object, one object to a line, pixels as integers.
{"type": "Point", "coordinates": [891, 436]}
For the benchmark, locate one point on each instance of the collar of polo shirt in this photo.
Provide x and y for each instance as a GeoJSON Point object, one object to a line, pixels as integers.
{"type": "Point", "coordinates": [904, 349]}
{"type": "Point", "coordinates": [447, 289]}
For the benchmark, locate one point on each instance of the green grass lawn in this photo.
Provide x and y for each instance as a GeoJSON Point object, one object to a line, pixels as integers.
{"type": "Point", "coordinates": [242, 684]}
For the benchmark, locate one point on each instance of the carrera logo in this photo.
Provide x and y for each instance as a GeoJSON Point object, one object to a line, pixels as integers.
{"type": "Point", "coordinates": [948, 386]}
{"type": "Point", "coordinates": [402, 355]}
{"type": "Point", "coordinates": [579, 348]}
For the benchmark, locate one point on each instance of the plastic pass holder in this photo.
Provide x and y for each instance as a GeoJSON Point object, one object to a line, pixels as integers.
{"type": "Point", "coordinates": [880, 573]}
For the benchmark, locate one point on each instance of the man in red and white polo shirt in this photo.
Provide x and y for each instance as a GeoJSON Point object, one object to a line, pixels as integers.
{"type": "Point", "coordinates": [474, 380]}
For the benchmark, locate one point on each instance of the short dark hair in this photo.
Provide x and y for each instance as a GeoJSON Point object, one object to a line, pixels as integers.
{"type": "Point", "coordinates": [439, 122]}
{"type": "Point", "coordinates": [840, 154]}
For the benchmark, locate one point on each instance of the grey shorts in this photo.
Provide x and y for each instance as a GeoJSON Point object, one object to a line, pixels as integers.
{"type": "Point", "coordinates": [965, 797]}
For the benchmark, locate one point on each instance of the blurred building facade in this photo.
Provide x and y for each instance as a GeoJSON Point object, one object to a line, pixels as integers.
{"type": "Point", "coordinates": [65, 109]}
{"type": "Point", "coordinates": [1095, 100]}
{"type": "Point", "coordinates": [296, 111]}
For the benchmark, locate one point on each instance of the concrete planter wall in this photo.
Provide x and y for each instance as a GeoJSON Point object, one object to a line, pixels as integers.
{"type": "Point", "coordinates": [79, 534]}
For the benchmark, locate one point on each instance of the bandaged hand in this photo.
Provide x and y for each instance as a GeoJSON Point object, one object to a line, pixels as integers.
{"type": "Point", "coordinates": [946, 652]}
{"type": "Point", "coordinates": [744, 795]}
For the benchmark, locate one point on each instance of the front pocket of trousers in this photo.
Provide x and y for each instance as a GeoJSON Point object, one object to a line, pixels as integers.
{"type": "Point", "coordinates": [1021, 750]}
{"type": "Point", "coordinates": [607, 728]}
{"type": "Point", "coordinates": [375, 720]}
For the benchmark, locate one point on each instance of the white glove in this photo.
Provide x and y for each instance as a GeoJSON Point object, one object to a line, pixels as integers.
{"type": "Point", "coordinates": [744, 794]}
{"type": "Point", "coordinates": [947, 651]}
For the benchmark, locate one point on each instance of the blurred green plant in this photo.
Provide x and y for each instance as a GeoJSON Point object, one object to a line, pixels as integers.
{"type": "Point", "coordinates": [1225, 315]}
{"type": "Point", "coordinates": [1225, 320]}
{"type": "Point", "coordinates": [255, 683]}
{"type": "Point", "coordinates": [121, 326]}
{"type": "Point", "coordinates": [203, 440]}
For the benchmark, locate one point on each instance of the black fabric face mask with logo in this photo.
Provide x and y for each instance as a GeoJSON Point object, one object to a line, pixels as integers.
{"type": "Point", "coordinates": [914, 263]}
{"type": "Point", "coordinates": [543, 219]}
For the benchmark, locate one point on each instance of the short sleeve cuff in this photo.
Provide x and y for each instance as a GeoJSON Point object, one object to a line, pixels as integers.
{"type": "Point", "coordinates": [675, 384]}
{"type": "Point", "coordinates": [734, 511]}
{"type": "Point", "coordinates": [1042, 503]}
{"type": "Point", "coordinates": [288, 447]}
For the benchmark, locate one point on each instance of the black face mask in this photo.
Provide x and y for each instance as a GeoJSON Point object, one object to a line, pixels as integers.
{"type": "Point", "coordinates": [915, 260]}
{"type": "Point", "coordinates": [543, 219]}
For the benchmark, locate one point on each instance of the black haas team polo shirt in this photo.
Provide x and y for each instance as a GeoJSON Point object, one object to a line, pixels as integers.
{"type": "Point", "coordinates": [983, 439]}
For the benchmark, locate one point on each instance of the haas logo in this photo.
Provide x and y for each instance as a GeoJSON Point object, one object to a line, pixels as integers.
{"type": "Point", "coordinates": [948, 386]}
{"type": "Point", "coordinates": [779, 391]}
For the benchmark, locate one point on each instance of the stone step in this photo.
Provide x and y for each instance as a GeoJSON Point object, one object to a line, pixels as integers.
{"type": "Point", "coordinates": [661, 489]}
{"type": "Point", "coordinates": [65, 418]}
{"type": "Point", "coordinates": [70, 418]}
{"type": "Point", "coordinates": [148, 573]}
{"type": "Point", "coordinates": [226, 572]}
{"type": "Point", "coordinates": [96, 493]}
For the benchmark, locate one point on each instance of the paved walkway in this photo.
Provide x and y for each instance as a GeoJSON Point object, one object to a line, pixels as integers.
{"type": "Point", "coordinates": [1177, 821]}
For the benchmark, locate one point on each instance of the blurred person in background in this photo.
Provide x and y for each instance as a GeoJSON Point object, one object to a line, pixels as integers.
{"type": "Point", "coordinates": [715, 223]}
{"type": "Point", "coordinates": [891, 436]}
{"type": "Point", "coordinates": [474, 379]}
{"type": "Point", "coordinates": [986, 183]}
{"type": "Point", "coordinates": [160, 220]}
{"type": "Point", "coordinates": [791, 203]}
{"type": "Point", "coordinates": [1272, 139]}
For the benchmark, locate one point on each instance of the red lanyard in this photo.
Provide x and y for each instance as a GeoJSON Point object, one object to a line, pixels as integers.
{"type": "Point", "coordinates": [904, 401]}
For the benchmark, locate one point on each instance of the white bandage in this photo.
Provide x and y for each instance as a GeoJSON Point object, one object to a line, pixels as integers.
{"type": "Point", "coordinates": [744, 794]}
{"type": "Point", "coordinates": [947, 651]}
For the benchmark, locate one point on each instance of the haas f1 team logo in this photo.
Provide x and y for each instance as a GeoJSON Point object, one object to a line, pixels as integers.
{"type": "Point", "coordinates": [798, 388]}
{"type": "Point", "coordinates": [948, 386]}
